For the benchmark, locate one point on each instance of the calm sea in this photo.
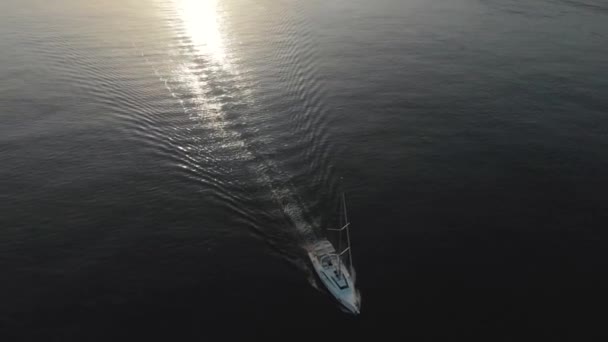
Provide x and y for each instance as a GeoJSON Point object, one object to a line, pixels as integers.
{"type": "Point", "coordinates": [163, 164]}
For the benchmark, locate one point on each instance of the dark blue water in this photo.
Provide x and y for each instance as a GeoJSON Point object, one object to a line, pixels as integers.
{"type": "Point", "coordinates": [163, 165]}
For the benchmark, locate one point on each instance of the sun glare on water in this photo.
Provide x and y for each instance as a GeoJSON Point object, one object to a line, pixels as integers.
{"type": "Point", "coordinates": [203, 23]}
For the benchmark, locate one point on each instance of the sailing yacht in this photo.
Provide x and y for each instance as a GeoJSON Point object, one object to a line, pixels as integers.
{"type": "Point", "coordinates": [335, 274]}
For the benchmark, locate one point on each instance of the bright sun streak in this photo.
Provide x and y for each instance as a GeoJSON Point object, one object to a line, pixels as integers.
{"type": "Point", "coordinates": [203, 24]}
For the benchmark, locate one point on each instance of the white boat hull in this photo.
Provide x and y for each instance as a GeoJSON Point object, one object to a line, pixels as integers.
{"type": "Point", "coordinates": [334, 275]}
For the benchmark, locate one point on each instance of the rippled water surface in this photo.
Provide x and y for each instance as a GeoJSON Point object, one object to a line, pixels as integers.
{"type": "Point", "coordinates": [164, 163]}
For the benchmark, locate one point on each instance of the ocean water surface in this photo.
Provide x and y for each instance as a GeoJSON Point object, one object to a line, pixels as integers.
{"type": "Point", "coordinates": [164, 163]}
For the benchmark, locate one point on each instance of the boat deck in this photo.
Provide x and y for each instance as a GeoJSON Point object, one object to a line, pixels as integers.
{"type": "Point", "coordinates": [334, 274]}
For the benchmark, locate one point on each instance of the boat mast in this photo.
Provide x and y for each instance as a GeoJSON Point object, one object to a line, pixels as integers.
{"type": "Point", "coordinates": [344, 226]}
{"type": "Point", "coordinates": [339, 254]}
{"type": "Point", "coordinates": [350, 255]}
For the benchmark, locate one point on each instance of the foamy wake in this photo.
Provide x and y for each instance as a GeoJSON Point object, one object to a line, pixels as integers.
{"type": "Point", "coordinates": [266, 171]}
